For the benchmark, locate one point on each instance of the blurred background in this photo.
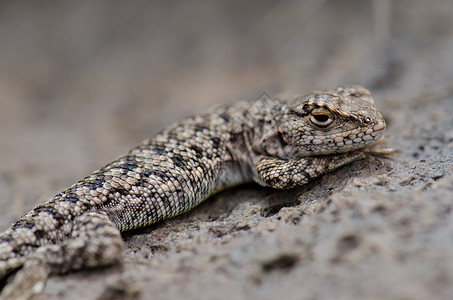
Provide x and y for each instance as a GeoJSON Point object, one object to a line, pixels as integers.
{"type": "Point", "coordinates": [83, 81]}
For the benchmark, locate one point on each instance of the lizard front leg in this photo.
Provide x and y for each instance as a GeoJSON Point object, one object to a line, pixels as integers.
{"type": "Point", "coordinates": [285, 174]}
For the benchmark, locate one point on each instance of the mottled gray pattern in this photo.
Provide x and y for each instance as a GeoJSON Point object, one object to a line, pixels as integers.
{"type": "Point", "coordinates": [281, 144]}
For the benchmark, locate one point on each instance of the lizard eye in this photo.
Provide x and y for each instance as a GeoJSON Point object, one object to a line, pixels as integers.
{"type": "Point", "coordinates": [321, 117]}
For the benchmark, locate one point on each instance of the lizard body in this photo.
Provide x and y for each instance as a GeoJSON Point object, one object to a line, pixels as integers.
{"type": "Point", "coordinates": [281, 144]}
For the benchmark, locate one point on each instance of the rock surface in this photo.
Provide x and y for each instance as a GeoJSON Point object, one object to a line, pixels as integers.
{"type": "Point", "coordinates": [83, 81]}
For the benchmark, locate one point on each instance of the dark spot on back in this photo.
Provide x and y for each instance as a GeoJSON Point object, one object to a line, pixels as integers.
{"type": "Point", "coordinates": [18, 224]}
{"type": "Point", "coordinates": [98, 182]}
{"type": "Point", "coordinates": [29, 225]}
{"type": "Point", "coordinates": [198, 151]}
{"type": "Point", "coordinates": [215, 142]}
{"type": "Point", "coordinates": [147, 172]}
{"type": "Point", "coordinates": [39, 234]}
{"type": "Point", "coordinates": [71, 197]}
{"type": "Point", "coordinates": [6, 239]}
{"type": "Point", "coordinates": [52, 211]}
{"type": "Point", "coordinates": [178, 160]}
{"type": "Point", "coordinates": [120, 191]}
{"type": "Point", "coordinates": [161, 174]}
{"type": "Point", "coordinates": [129, 165]}
{"type": "Point", "coordinates": [225, 117]}
{"type": "Point", "coordinates": [199, 127]}
{"type": "Point", "coordinates": [159, 148]}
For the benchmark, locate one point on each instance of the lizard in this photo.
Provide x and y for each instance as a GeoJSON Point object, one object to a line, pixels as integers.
{"type": "Point", "coordinates": [277, 143]}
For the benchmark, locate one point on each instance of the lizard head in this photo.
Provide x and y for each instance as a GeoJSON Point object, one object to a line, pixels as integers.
{"type": "Point", "coordinates": [330, 121]}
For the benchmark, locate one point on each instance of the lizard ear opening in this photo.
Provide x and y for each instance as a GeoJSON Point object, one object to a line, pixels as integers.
{"type": "Point", "coordinates": [281, 139]}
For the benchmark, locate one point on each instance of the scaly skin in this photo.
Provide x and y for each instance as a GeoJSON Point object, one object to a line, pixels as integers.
{"type": "Point", "coordinates": [281, 144]}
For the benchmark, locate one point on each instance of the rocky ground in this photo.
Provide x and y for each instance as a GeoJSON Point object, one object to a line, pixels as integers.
{"type": "Point", "coordinates": [83, 81]}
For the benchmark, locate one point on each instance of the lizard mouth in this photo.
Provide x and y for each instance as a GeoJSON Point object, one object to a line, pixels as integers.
{"type": "Point", "coordinates": [346, 142]}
